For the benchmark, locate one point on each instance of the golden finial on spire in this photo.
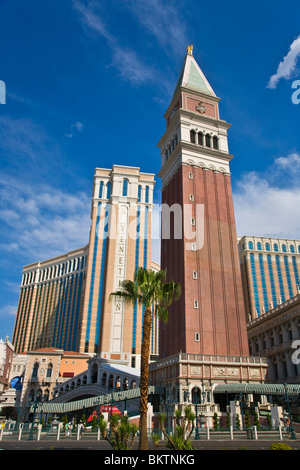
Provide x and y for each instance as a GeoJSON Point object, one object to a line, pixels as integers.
{"type": "Point", "coordinates": [190, 49]}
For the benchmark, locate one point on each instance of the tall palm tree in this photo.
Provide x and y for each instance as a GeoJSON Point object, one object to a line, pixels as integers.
{"type": "Point", "coordinates": [150, 289]}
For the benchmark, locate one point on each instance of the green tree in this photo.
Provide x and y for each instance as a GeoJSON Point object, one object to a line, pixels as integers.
{"type": "Point", "coordinates": [247, 419]}
{"type": "Point", "coordinates": [256, 420]}
{"type": "Point", "coordinates": [183, 430]}
{"type": "Point", "coordinates": [151, 290]}
{"type": "Point", "coordinates": [94, 423]}
{"type": "Point", "coordinates": [216, 422]}
{"type": "Point", "coordinates": [64, 420]}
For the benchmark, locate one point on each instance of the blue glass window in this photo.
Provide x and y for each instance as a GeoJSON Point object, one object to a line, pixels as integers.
{"type": "Point", "coordinates": [267, 246]}
{"type": "Point", "coordinates": [101, 189]}
{"type": "Point", "coordinates": [108, 190]}
{"type": "Point", "coordinates": [250, 245]}
{"type": "Point", "coordinates": [125, 187]}
{"type": "Point", "coordinates": [275, 247]}
{"type": "Point", "coordinates": [288, 276]}
{"type": "Point", "coordinates": [292, 248]}
{"type": "Point", "coordinates": [139, 193]}
{"type": "Point", "coordinates": [263, 282]}
{"type": "Point", "coordinates": [271, 275]}
{"type": "Point", "coordinates": [147, 194]}
{"type": "Point", "coordinates": [280, 279]}
{"type": "Point", "coordinates": [259, 246]}
{"type": "Point", "coordinates": [284, 248]}
{"type": "Point", "coordinates": [295, 270]}
{"type": "Point", "coordinates": [254, 281]}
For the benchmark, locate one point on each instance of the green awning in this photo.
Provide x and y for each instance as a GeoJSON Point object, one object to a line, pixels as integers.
{"type": "Point", "coordinates": [262, 389]}
{"type": "Point", "coordinates": [67, 407]}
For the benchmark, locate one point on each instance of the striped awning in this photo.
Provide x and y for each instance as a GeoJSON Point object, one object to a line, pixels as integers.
{"type": "Point", "coordinates": [262, 389]}
{"type": "Point", "coordinates": [68, 407]}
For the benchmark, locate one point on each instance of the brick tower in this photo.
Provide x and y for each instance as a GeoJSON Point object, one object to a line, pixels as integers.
{"type": "Point", "coordinates": [200, 248]}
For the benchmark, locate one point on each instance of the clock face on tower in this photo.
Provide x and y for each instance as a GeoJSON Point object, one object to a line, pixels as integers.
{"type": "Point", "coordinates": [201, 108]}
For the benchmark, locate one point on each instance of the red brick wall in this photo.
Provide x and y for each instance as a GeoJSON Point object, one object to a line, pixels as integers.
{"type": "Point", "coordinates": [220, 318]}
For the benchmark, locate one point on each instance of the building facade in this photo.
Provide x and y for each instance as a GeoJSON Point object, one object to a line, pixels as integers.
{"type": "Point", "coordinates": [6, 359]}
{"type": "Point", "coordinates": [275, 334]}
{"type": "Point", "coordinates": [120, 242]}
{"type": "Point", "coordinates": [270, 270]}
{"type": "Point", "coordinates": [45, 369]}
{"type": "Point", "coordinates": [49, 303]}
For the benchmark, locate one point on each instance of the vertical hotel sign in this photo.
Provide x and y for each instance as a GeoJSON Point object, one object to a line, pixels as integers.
{"type": "Point", "coordinates": [120, 275]}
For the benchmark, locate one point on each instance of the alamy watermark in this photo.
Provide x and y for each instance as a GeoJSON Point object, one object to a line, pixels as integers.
{"type": "Point", "coordinates": [168, 222]}
{"type": "Point", "coordinates": [296, 94]}
{"type": "Point", "coordinates": [296, 354]}
{"type": "Point", "coordinates": [2, 92]}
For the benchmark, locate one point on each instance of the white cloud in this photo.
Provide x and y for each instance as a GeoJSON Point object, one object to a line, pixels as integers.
{"type": "Point", "coordinates": [41, 222]}
{"type": "Point", "coordinates": [125, 60]}
{"type": "Point", "coordinates": [163, 21]}
{"type": "Point", "coordinates": [77, 126]}
{"type": "Point", "coordinates": [287, 67]}
{"type": "Point", "coordinates": [23, 139]}
{"type": "Point", "coordinates": [8, 310]}
{"type": "Point", "coordinates": [268, 204]}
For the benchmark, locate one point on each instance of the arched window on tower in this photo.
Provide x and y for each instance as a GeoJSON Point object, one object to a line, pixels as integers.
{"type": "Point", "coordinates": [125, 187]}
{"type": "Point", "coordinates": [200, 138]}
{"type": "Point", "coordinates": [147, 194]}
{"type": "Point", "coordinates": [108, 190]}
{"type": "Point", "coordinates": [215, 142]}
{"type": "Point", "coordinates": [101, 189]}
{"type": "Point", "coordinates": [139, 193]}
{"type": "Point", "coordinates": [193, 136]}
{"type": "Point", "coordinates": [207, 140]}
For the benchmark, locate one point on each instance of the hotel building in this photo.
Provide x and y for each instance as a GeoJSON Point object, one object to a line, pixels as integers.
{"type": "Point", "coordinates": [48, 312]}
{"type": "Point", "coordinates": [120, 242]}
{"type": "Point", "coordinates": [270, 270]}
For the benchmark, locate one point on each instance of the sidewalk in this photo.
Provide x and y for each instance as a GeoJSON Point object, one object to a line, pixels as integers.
{"type": "Point", "coordinates": [103, 445]}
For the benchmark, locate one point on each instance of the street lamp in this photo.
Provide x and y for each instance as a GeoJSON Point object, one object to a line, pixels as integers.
{"type": "Point", "coordinates": [197, 429]}
{"type": "Point", "coordinates": [30, 438]}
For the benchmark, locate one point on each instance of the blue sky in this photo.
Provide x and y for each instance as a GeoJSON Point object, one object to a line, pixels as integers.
{"type": "Point", "coordinates": [87, 85]}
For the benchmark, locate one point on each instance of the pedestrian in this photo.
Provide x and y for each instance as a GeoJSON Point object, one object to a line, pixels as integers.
{"type": "Point", "coordinates": [81, 428]}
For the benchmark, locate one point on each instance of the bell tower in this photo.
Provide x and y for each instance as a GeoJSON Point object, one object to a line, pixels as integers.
{"type": "Point", "coordinates": [199, 241]}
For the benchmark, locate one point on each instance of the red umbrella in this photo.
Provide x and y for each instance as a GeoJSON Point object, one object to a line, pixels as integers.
{"type": "Point", "coordinates": [105, 409]}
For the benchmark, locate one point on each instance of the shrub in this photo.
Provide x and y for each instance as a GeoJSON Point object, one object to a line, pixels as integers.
{"type": "Point", "coordinates": [122, 433]}
{"type": "Point", "coordinates": [280, 446]}
{"type": "Point", "coordinates": [183, 430]}
{"type": "Point", "coordinates": [216, 422]}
